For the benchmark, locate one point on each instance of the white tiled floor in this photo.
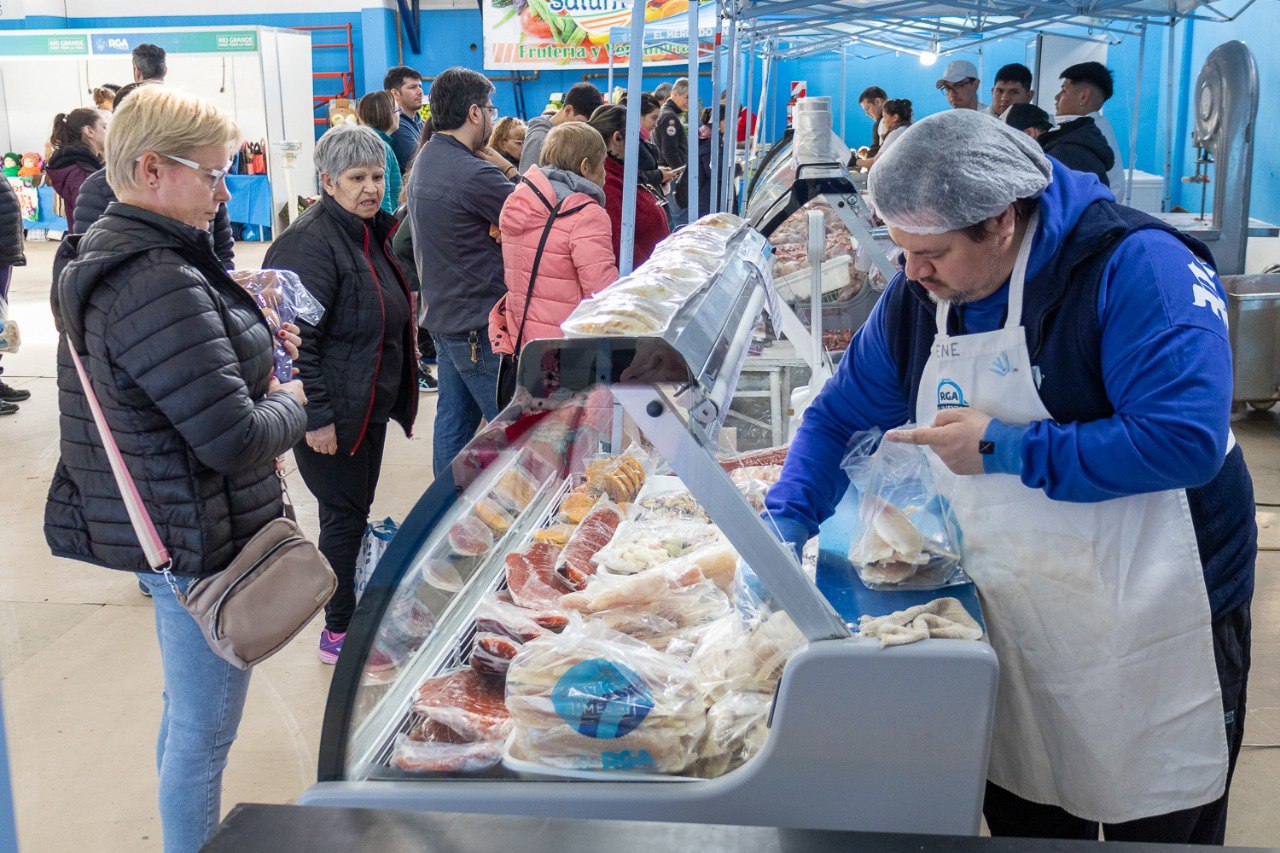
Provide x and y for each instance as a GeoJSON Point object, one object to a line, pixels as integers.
{"type": "Point", "coordinates": [81, 675]}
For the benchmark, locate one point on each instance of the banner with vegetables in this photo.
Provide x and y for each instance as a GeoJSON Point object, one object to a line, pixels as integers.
{"type": "Point", "coordinates": [527, 34]}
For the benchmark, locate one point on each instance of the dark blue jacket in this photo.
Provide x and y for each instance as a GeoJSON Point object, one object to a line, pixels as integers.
{"type": "Point", "coordinates": [405, 140]}
{"type": "Point", "coordinates": [1126, 326]}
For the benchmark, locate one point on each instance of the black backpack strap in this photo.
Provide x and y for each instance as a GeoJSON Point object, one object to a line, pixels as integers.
{"type": "Point", "coordinates": [556, 213]}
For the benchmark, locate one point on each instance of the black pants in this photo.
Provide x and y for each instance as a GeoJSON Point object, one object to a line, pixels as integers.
{"type": "Point", "coordinates": [1009, 815]}
{"type": "Point", "coordinates": [344, 485]}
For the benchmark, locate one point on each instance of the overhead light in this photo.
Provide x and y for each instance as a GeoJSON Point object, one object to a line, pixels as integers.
{"type": "Point", "coordinates": [928, 57]}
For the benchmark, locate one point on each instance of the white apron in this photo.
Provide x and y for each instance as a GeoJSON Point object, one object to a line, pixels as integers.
{"type": "Point", "coordinates": [1109, 704]}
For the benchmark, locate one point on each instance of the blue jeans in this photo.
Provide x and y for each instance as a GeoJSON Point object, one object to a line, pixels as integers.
{"type": "Point", "coordinates": [203, 700]}
{"type": "Point", "coordinates": [678, 215]}
{"type": "Point", "coordinates": [467, 370]}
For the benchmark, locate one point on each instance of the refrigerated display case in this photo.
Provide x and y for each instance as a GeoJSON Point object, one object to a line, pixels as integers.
{"type": "Point", "coordinates": [625, 709]}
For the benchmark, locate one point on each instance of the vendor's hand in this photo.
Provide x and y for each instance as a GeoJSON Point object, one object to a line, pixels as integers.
{"type": "Point", "coordinates": [668, 175]}
{"type": "Point", "coordinates": [294, 387]}
{"type": "Point", "coordinates": [291, 336]}
{"type": "Point", "coordinates": [954, 436]}
{"type": "Point", "coordinates": [324, 440]}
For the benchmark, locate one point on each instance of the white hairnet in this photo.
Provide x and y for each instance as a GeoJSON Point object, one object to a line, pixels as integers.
{"type": "Point", "coordinates": [953, 170]}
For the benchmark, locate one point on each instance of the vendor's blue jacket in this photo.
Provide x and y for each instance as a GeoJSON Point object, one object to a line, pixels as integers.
{"type": "Point", "coordinates": [1126, 324]}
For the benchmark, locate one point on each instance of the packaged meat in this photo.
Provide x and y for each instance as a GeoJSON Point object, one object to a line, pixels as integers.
{"type": "Point", "coordinates": [620, 315]}
{"type": "Point", "coordinates": [655, 607]}
{"type": "Point", "coordinates": [493, 515]}
{"type": "Point", "coordinates": [765, 456]}
{"type": "Point", "coordinates": [430, 747]}
{"type": "Point", "coordinates": [721, 658]}
{"type": "Point", "coordinates": [495, 616]}
{"type": "Point", "coordinates": [724, 223]}
{"type": "Point", "coordinates": [282, 298]}
{"type": "Point", "coordinates": [768, 474]}
{"type": "Point", "coordinates": [491, 654]}
{"type": "Point", "coordinates": [577, 503]}
{"type": "Point", "coordinates": [737, 727]}
{"type": "Point", "coordinates": [556, 534]}
{"type": "Point", "coordinates": [637, 546]}
{"type": "Point", "coordinates": [532, 578]}
{"type": "Point", "coordinates": [442, 575]}
{"type": "Point", "coordinates": [593, 699]}
{"type": "Point", "coordinates": [574, 565]}
{"type": "Point", "coordinates": [771, 644]}
{"type": "Point", "coordinates": [716, 561]}
{"type": "Point", "coordinates": [620, 477]}
{"type": "Point", "coordinates": [469, 703]}
{"type": "Point", "coordinates": [470, 537]}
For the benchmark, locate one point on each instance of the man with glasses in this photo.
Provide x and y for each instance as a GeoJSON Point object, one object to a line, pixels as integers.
{"type": "Point", "coordinates": [960, 82]}
{"type": "Point", "coordinates": [455, 194]}
{"type": "Point", "coordinates": [405, 85]}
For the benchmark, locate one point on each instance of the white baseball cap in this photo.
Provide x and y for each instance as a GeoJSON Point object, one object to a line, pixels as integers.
{"type": "Point", "coordinates": [961, 69]}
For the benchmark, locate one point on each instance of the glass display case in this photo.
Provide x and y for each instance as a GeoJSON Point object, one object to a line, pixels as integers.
{"type": "Point", "coordinates": [568, 624]}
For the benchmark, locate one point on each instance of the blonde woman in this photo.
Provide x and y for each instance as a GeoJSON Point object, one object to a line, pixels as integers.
{"type": "Point", "coordinates": [181, 361]}
{"type": "Point", "coordinates": [508, 139]}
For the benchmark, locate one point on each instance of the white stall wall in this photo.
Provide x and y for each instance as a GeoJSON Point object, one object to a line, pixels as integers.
{"type": "Point", "coordinates": [295, 88]}
{"type": "Point", "coordinates": [1054, 54]}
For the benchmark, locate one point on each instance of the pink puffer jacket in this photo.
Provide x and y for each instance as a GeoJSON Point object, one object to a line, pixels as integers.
{"type": "Point", "coordinates": [577, 262]}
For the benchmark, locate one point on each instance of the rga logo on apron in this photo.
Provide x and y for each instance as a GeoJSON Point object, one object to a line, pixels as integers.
{"type": "Point", "coordinates": [950, 396]}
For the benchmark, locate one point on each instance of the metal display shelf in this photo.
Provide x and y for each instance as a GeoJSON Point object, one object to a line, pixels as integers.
{"type": "Point", "coordinates": [859, 737]}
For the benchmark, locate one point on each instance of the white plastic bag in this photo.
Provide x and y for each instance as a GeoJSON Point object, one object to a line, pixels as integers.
{"type": "Point", "coordinates": [10, 337]}
{"type": "Point", "coordinates": [376, 539]}
{"type": "Point", "coordinates": [909, 537]}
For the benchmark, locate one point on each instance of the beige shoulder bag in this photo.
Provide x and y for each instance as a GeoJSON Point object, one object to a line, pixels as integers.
{"type": "Point", "coordinates": [254, 607]}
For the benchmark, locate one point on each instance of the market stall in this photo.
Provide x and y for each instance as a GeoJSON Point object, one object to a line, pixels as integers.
{"type": "Point", "coordinates": [586, 616]}
{"type": "Point", "coordinates": [260, 76]}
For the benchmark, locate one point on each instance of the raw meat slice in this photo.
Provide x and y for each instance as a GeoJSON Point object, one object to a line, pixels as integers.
{"type": "Point", "coordinates": [491, 654]}
{"type": "Point", "coordinates": [499, 617]}
{"type": "Point", "coordinates": [531, 576]}
{"type": "Point", "coordinates": [765, 456]}
{"type": "Point", "coordinates": [469, 703]}
{"type": "Point", "coordinates": [470, 537]}
{"type": "Point", "coordinates": [431, 747]}
{"type": "Point", "coordinates": [574, 566]}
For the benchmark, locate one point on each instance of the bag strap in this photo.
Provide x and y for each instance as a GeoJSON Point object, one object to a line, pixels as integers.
{"type": "Point", "coordinates": [556, 213]}
{"type": "Point", "coordinates": [157, 554]}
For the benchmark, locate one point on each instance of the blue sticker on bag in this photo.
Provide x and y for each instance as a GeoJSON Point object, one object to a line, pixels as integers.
{"type": "Point", "coordinates": [602, 699]}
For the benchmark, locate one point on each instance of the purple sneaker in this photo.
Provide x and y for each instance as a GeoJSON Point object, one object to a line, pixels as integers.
{"type": "Point", "coordinates": [330, 646]}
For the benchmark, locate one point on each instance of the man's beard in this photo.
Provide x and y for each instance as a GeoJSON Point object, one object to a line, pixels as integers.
{"type": "Point", "coordinates": [951, 297]}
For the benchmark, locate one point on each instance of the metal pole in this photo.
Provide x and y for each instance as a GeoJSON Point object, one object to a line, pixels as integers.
{"type": "Point", "coordinates": [1167, 190]}
{"type": "Point", "coordinates": [728, 157]}
{"type": "Point", "coordinates": [631, 156]}
{"type": "Point", "coordinates": [717, 78]}
{"type": "Point", "coordinates": [694, 163]}
{"type": "Point", "coordinates": [609, 49]}
{"type": "Point", "coordinates": [844, 101]}
{"type": "Point", "coordinates": [746, 130]}
{"type": "Point", "coordinates": [1133, 119]}
{"type": "Point", "coordinates": [766, 66]}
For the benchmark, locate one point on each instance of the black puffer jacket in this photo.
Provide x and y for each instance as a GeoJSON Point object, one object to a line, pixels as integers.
{"type": "Point", "coordinates": [181, 360]}
{"type": "Point", "coordinates": [11, 246]}
{"type": "Point", "coordinates": [1080, 145]}
{"type": "Point", "coordinates": [335, 252]}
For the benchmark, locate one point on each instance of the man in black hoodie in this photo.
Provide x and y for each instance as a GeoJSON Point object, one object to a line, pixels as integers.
{"type": "Point", "coordinates": [1077, 144]}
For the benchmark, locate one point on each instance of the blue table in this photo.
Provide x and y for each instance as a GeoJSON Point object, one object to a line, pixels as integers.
{"type": "Point", "coordinates": [250, 200]}
{"type": "Point", "coordinates": [48, 220]}
{"type": "Point", "coordinates": [839, 581]}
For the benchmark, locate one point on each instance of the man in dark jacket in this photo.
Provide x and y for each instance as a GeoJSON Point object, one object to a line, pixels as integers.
{"type": "Point", "coordinates": [455, 197]}
{"type": "Point", "coordinates": [673, 146]}
{"type": "Point", "coordinates": [405, 85]}
{"type": "Point", "coordinates": [11, 256]}
{"type": "Point", "coordinates": [1079, 144]}
{"type": "Point", "coordinates": [580, 102]}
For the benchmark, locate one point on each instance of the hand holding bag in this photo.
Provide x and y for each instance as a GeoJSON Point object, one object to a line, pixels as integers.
{"type": "Point", "coordinates": [254, 607]}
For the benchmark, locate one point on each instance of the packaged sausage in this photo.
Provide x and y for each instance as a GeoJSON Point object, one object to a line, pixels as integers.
{"type": "Point", "coordinates": [282, 299]}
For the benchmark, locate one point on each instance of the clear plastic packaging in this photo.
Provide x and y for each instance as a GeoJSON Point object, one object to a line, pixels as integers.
{"type": "Point", "coordinates": [282, 299]}
{"type": "Point", "coordinates": [574, 566]}
{"type": "Point", "coordinates": [495, 616]}
{"type": "Point", "coordinates": [431, 747]}
{"type": "Point", "coordinates": [620, 315]}
{"type": "Point", "coordinates": [737, 727]}
{"type": "Point", "coordinates": [671, 506]}
{"type": "Point", "coordinates": [909, 537]}
{"type": "Point", "coordinates": [594, 699]}
{"type": "Point", "coordinates": [467, 702]}
{"type": "Point", "coordinates": [638, 546]}
{"type": "Point", "coordinates": [491, 654]}
{"type": "Point", "coordinates": [532, 579]}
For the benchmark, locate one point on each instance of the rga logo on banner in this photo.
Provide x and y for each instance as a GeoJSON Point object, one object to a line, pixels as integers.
{"type": "Point", "coordinates": [950, 396]}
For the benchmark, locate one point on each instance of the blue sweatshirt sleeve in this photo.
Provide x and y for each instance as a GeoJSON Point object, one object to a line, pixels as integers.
{"type": "Point", "coordinates": [863, 393]}
{"type": "Point", "coordinates": [1166, 365]}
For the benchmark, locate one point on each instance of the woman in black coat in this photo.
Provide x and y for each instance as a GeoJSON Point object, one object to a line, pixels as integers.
{"type": "Point", "coordinates": [181, 360]}
{"type": "Point", "coordinates": [11, 255]}
{"type": "Point", "coordinates": [359, 362]}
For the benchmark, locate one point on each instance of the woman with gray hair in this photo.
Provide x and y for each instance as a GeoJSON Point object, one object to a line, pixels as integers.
{"type": "Point", "coordinates": [181, 361]}
{"type": "Point", "coordinates": [359, 362]}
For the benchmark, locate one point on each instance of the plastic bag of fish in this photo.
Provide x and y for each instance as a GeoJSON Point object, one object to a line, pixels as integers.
{"type": "Point", "coordinates": [906, 536]}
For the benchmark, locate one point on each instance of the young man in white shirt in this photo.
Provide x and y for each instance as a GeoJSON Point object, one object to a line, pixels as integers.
{"type": "Point", "coordinates": [1085, 88]}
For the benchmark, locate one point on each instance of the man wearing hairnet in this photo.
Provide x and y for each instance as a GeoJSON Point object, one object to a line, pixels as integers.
{"type": "Point", "coordinates": [1066, 365]}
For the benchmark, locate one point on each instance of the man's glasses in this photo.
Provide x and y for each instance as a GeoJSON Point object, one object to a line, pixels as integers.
{"type": "Point", "coordinates": [955, 87]}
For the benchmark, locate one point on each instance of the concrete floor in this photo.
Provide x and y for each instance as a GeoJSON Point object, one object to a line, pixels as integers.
{"type": "Point", "coordinates": [80, 669]}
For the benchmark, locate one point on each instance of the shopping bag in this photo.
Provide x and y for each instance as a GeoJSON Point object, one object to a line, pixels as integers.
{"type": "Point", "coordinates": [376, 538]}
{"type": "Point", "coordinates": [10, 338]}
